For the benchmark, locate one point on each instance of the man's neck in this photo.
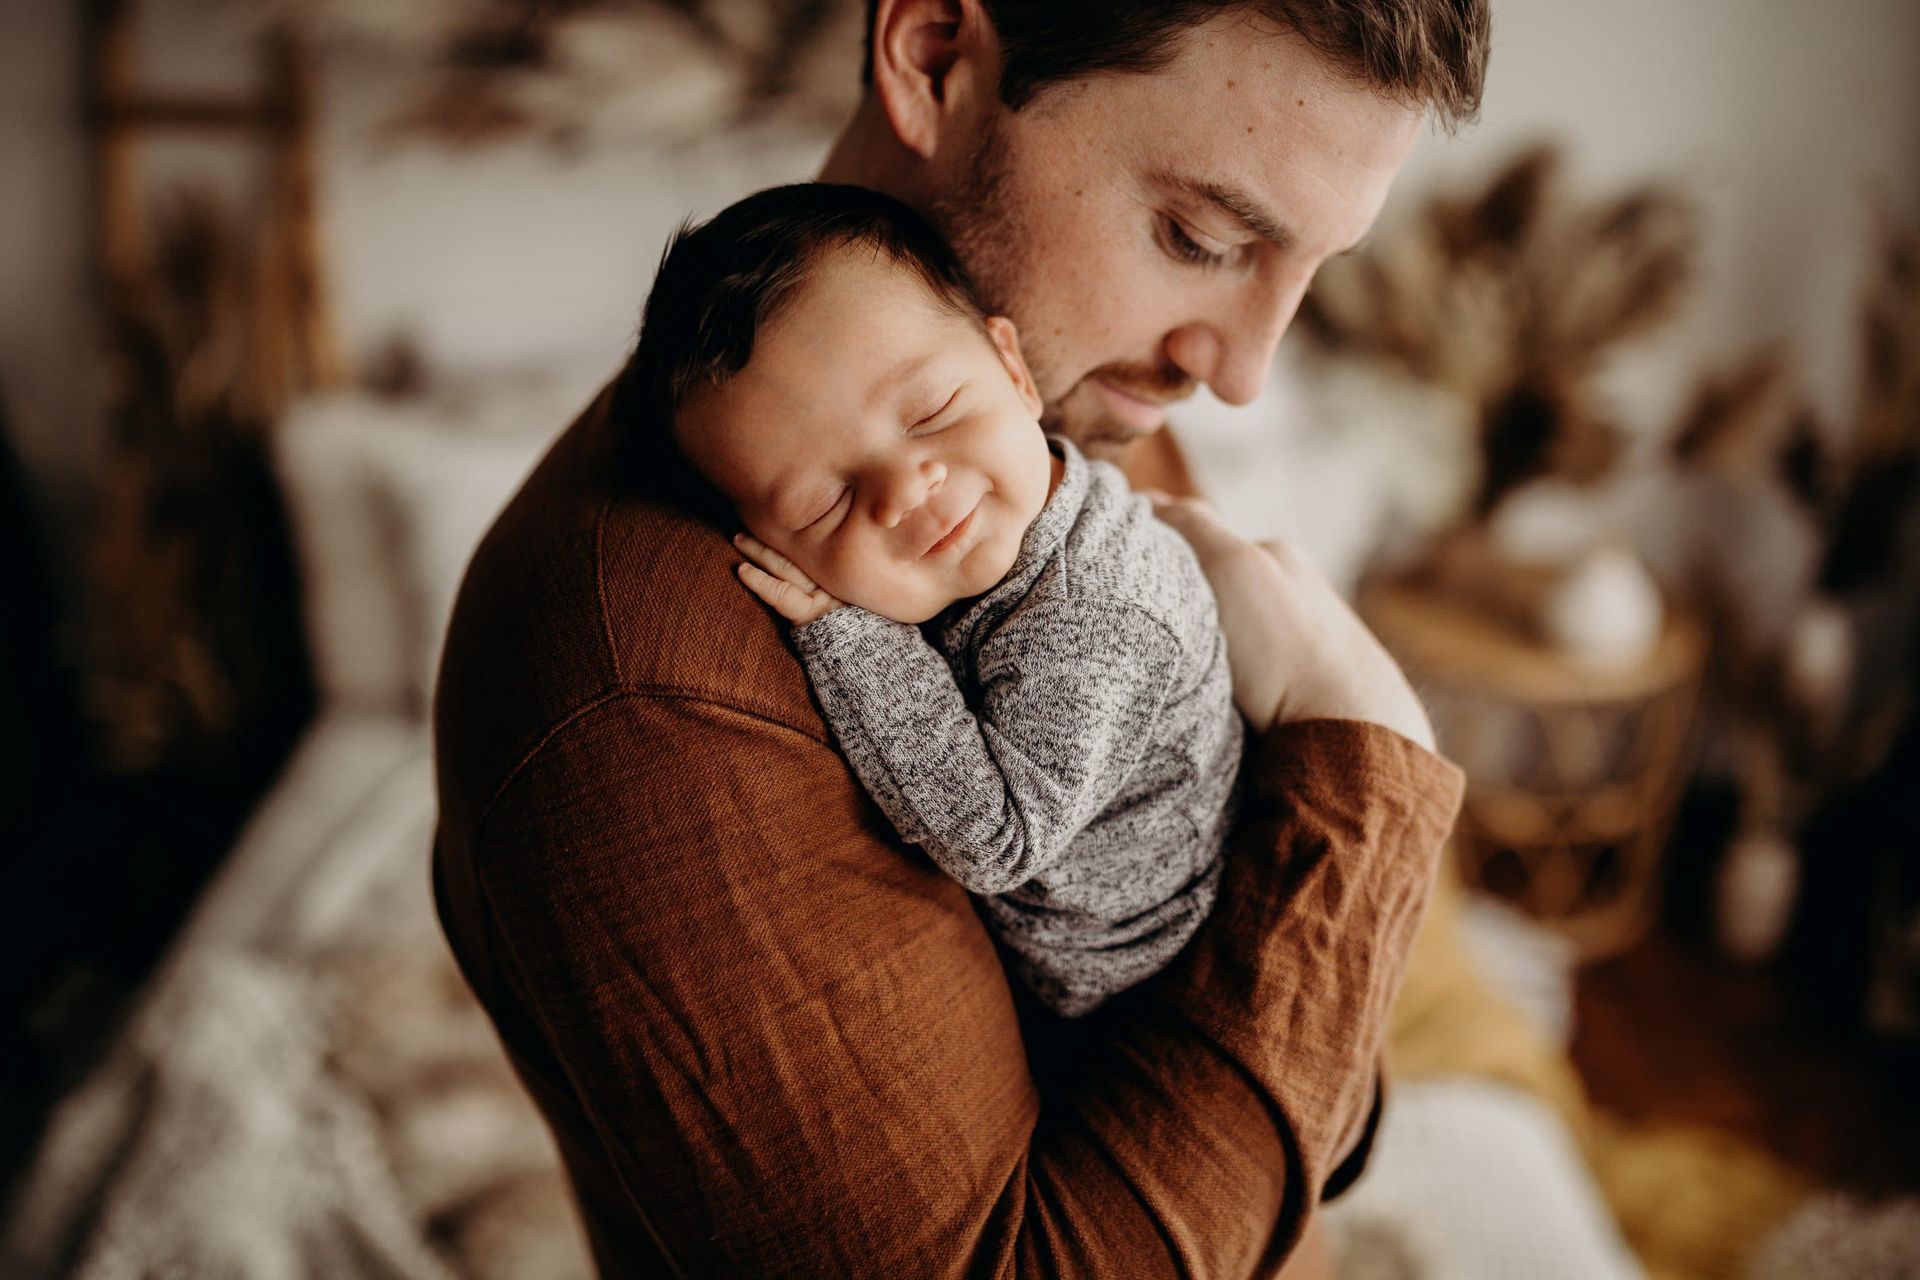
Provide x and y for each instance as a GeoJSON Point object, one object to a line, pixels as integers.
{"type": "Point", "coordinates": [867, 154]}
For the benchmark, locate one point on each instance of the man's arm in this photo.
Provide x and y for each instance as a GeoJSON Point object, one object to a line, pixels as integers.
{"type": "Point", "coordinates": [1071, 690]}
{"type": "Point", "coordinates": [800, 1052]}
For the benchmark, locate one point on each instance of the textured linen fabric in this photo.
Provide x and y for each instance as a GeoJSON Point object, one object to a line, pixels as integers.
{"type": "Point", "coordinates": [772, 1040]}
{"type": "Point", "coordinates": [1067, 745]}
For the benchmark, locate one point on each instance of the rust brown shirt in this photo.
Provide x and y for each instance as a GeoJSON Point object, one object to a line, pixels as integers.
{"type": "Point", "coordinates": [771, 1039]}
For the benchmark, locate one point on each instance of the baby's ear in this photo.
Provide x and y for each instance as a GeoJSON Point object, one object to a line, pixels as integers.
{"type": "Point", "coordinates": [1006, 340]}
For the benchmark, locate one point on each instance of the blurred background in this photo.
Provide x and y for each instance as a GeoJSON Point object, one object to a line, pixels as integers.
{"type": "Point", "coordinates": [1612, 432]}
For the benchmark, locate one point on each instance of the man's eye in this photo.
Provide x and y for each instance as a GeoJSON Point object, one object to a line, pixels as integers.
{"type": "Point", "coordinates": [1183, 246]}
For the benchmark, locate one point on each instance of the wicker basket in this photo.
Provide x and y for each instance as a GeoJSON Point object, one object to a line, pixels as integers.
{"type": "Point", "coordinates": [1573, 770]}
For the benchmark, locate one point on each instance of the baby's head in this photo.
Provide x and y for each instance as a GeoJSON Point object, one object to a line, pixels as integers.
{"type": "Point", "coordinates": [821, 360]}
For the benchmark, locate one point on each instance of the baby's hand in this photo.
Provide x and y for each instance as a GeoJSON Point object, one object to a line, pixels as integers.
{"type": "Point", "coordinates": [779, 582]}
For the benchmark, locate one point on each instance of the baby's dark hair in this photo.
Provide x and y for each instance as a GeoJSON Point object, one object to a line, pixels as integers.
{"type": "Point", "coordinates": [720, 281]}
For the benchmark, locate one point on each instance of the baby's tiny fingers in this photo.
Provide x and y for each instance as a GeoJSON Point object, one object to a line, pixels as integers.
{"type": "Point", "coordinates": [764, 584]}
{"type": "Point", "coordinates": [760, 582]}
{"type": "Point", "coordinates": [786, 599]}
{"type": "Point", "coordinates": [772, 561]}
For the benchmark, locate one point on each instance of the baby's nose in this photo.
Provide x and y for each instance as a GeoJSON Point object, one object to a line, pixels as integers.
{"type": "Point", "coordinates": [912, 487]}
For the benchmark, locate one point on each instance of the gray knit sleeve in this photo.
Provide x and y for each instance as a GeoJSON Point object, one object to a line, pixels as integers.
{"type": "Point", "coordinates": [1070, 691]}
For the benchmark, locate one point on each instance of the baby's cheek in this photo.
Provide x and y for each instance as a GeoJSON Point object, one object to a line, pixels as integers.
{"type": "Point", "coordinates": [890, 591]}
{"type": "Point", "coordinates": [838, 575]}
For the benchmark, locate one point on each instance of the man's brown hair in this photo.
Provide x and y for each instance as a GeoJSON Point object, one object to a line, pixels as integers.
{"type": "Point", "coordinates": [1421, 52]}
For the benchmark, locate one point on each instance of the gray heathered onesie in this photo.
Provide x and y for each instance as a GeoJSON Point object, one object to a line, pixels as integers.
{"type": "Point", "coordinates": [1067, 745]}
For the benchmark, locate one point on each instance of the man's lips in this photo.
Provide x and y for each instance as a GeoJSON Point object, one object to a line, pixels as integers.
{"type": "Point", "coordinates": [952, 535]}
{"type": "Point", "coordinates": [1142, 412]}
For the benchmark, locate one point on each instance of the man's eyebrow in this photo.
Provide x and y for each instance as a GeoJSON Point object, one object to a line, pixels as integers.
{"type": "Point", "coordinates": [1238, 204]}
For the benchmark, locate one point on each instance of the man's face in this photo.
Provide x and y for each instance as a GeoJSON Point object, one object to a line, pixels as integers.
{"type": "Point", "coordinates": [879, 440]}
{"type": "Point", "coordinates": [1154, 231]}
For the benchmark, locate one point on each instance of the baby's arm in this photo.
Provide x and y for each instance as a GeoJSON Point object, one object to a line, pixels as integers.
{"type": "Point", "coordinates": [1070, 693]}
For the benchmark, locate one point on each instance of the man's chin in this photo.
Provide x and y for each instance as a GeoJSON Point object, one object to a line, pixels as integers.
{"type": "Point", "coordinates": [1080, 418]}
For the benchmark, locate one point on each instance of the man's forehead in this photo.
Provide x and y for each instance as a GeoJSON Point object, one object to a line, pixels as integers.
{"type": "Point", "coordinates": [1241, 102]}
{"type": "Point", "coordinates": [1304, 166]}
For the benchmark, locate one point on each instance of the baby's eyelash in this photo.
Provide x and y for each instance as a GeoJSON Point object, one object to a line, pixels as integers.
{"type": "Point", "coordinates": [944, 405]}
{"type": "Point", "coordinates": [831, 508]}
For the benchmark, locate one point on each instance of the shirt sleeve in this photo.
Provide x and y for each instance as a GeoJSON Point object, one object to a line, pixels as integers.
{"type": "Point", "coordinates": [771, 1045]}
{"type": "Point", "coordinates": [1070, 691]}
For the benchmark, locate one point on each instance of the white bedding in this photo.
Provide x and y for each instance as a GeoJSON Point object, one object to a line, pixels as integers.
{"type": "Point", "coordinates": [304, 1087]}
{"type": "Point", "coordinates": [326, 823]}
{"type": "Point", "coordinates": [354, 805]}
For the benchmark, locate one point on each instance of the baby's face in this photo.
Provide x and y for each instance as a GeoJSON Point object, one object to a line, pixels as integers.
{"type": "Point", "coordinates": [879, 441]}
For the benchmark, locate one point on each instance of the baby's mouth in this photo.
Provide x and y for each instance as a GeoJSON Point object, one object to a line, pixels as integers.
{"type": "Point", "coordinates": [952, 535]}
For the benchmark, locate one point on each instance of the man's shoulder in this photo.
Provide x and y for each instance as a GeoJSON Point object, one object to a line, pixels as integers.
{"type": "Point", "coordinates": [588, 586]}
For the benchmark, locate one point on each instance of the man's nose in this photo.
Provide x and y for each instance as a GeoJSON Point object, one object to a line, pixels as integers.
{"type": "Point", "coordinates": [903, 488]}
{"type": "Point", "coordinates": [1232, 355]}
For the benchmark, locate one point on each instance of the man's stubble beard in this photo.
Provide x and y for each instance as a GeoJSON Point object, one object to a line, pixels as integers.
{"type": "Point", "coordinates": [978, 219]}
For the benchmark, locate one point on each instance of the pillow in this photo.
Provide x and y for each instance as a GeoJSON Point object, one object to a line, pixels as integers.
{"type": "Point", "coordinates": [388, 499]}
{"type": "Point", "coordinates": [441, 490]}
{"type": "Point", "coordinates": [1476, 1180]}
{"type": "Point", "coordinates": [355, 615]}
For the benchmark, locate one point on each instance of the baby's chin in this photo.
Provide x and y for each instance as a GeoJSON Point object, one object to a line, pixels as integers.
{"type": "Point", "coordinates": [979, 571]}
{"type": "Point", "coordinates": [912, 608]}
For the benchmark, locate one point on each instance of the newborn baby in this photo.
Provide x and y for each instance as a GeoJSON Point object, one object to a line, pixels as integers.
{"type": "Point", "coordinates": [1022, 664]}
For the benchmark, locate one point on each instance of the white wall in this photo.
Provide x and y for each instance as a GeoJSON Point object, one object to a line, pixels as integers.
{"type": "Point", "coordinates": [515, 255]}
{"type": "Point", "coordinates": [1776, 113]}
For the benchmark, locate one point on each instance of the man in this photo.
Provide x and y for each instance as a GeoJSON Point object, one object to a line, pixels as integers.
{"type": "Point", "coordinates": [769, 1038]}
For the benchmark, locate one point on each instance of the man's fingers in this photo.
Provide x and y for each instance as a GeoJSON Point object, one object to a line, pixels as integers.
{"type": "Point", "coordinates": [1168, 507]}
{"type": "Point", "coordinates": [1199, 524]}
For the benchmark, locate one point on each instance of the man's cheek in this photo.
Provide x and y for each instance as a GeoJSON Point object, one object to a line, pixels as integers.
{"type": "Point", "coordinates": [1110, 310]}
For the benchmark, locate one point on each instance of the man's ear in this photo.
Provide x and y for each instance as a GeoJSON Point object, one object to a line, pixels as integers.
{"type": "Point", "coordinates": [1006, 339]}
{"type": "Point", "coordinates": [927, 57]}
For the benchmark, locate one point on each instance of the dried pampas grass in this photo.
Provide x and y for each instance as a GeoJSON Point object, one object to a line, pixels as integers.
{"type": "Point", "coordinates": [1509, 297]}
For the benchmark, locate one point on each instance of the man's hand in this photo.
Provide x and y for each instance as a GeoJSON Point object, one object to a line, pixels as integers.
{"type": "Point", "coordinates": [1297, 650]}
{"type": "Point", "coordinates": [779, 582]}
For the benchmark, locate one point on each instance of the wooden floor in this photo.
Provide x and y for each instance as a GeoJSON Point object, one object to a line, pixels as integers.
{"type": "Point", "coordinates": [1667, 1031]}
